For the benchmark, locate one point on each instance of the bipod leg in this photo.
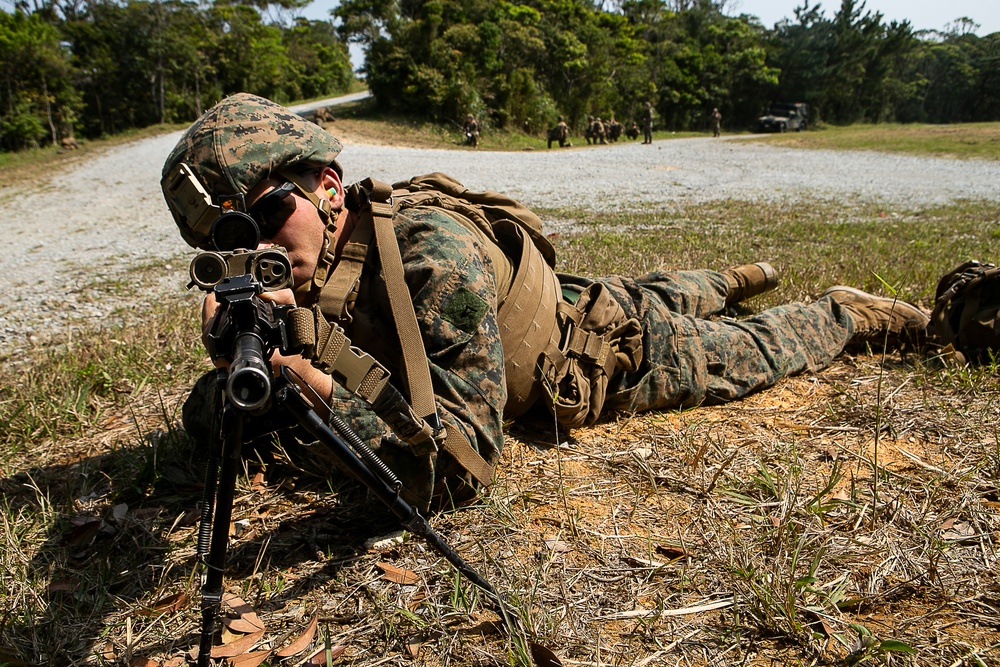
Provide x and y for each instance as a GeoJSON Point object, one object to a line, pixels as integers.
{"type": "Point", "coordinates": [215, 564]}
{"type": "Point", "coordinates": [289, 398]}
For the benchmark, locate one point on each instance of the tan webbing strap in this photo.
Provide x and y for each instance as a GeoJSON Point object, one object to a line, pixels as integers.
{"type": "Point", "coordinates": [331, 351]}
{"type": "Point", "coordinates": [339, 292]}
{"type": "Point", "coordinates": [418, 373]}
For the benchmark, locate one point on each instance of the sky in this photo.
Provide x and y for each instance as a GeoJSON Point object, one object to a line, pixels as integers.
{"type": "Point", "coordinates": [922, 14]}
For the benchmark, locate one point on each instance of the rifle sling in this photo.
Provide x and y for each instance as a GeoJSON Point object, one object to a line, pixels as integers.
{"type": "Point", "coordinates": [415, 363]}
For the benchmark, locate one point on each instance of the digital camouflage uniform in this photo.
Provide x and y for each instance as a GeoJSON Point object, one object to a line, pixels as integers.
{"type": "Point", "coordinates": [687, 360]}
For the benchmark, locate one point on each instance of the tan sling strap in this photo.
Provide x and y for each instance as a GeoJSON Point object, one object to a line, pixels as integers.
{"type": "Point", "coordinates": [415, 362]}
{"type": "Point", "coordinates": [329, 349]}
{"type": "Point", "coordinates": [338, 293]}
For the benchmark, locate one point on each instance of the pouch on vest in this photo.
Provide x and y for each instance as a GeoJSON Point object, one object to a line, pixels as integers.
{"type": "Point", "coordinates": [965, 321]}
{"type": "Point", "coordinates": [597, 340]}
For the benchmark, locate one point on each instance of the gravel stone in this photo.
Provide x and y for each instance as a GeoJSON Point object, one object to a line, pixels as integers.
{"type": "Point", "coordinates": [106, 215]}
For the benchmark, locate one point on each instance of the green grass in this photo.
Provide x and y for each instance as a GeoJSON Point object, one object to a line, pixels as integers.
{"type": "Point", "coordinates": [960, 140]}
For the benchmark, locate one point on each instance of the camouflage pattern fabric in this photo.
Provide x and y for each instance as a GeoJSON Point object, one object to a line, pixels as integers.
{"type": "Point", "coordinates": [241, 141]}
{"type": "Point", "coordinates": [689, 360]}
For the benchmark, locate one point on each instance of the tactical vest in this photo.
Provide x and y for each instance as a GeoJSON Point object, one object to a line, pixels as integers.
{"type": "Point", "coordinates": [567, 351]}
{"type": "Point", "coordinates": [528, 290]}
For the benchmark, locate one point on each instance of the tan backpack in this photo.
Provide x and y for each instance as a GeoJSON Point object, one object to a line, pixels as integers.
{"type": "Point", "coordinates": [565, 351]}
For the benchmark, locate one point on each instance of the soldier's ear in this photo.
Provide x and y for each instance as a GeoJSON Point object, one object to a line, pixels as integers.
{"type": "Point", "coordinates": [330, 182]}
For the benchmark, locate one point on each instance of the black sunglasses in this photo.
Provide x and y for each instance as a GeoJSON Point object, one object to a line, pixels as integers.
{"type": "Point", "coordinates": [272, 211]}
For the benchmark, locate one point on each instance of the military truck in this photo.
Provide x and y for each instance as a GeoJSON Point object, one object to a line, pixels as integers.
{"type": "Point", "coordinates": [784, 116]}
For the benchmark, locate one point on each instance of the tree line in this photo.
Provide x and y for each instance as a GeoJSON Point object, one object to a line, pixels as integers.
{"type": "Point", "coordinates": [97, 67]}
{"type": "Point", "coordinates": [94, 68]}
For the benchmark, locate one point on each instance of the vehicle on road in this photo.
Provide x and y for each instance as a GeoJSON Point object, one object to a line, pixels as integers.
{"type": "Point", "coordinates": [784, 116]}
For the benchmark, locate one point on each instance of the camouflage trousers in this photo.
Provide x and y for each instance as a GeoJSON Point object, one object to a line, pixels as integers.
{"type": "Point", "coordinates": [690, 359]}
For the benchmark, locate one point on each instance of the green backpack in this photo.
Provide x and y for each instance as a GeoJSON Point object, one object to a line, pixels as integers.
{"type": "Point", "coordinates": [965, 321]}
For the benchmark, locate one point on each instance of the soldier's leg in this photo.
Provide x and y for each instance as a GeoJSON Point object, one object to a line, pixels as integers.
{"type": "Point", "coordinates": [689, 361]}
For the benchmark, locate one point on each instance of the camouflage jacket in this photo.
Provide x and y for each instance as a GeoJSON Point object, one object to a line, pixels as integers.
{"type": "Point", "coordinates": [451, 281]}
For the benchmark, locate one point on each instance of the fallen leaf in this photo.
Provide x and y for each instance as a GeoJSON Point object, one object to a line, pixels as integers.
{"type": "Point", "coordinates": [543, 657]}
{"type": "Point", "coordinates": [641, 562]}
{"type": "Point", "coordinates": [238, 647]}
{"type": "Point", "coordinates": [257, 484]}
{"type": "Point", "coordinates": [249, 659]}
{"type": "Point", "coordinates": [671, 552]}
{"type": "Point", "coordinates": [167, 605]}
{"type": "Point", "coordinates": [302, 642]}
{"type": "Point", "coordinates": [412, 647]}
{"type": "Point", "coordinates": [119, 512]}
{"type": "Point", "coordinates": [62, 585]}
{"type": "Point", "coordinates": [143, 662]}
{"type": "Point", "coordinates": [318, 659]}
{"type": "Point", "coordinates": [556, 546]}
{"type": "Point", "coordinates": [246, 621]}
{"type": "Point", "coordinates": [83, 533]}
{"type": "Point", "coordinates": [398, 575]}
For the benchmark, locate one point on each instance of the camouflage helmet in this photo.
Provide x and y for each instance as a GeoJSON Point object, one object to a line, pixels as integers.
{"type": "Point", "coordinates": [237, 143]}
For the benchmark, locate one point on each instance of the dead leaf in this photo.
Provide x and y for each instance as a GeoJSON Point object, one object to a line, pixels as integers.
{"type": "Point", "coordinates": [167, 605]}
{"type": "Point", "coordinates": [249, 659]}
{"type": "Point", "coordinates": [641, 562]}
{"type": "Point", "coordinates": [318, 659]}
{"type": "Point", "coordinates": [398, 575]}
{"type": "Point", "coordinates": [119, 512]}
{"type": "Point", "coordinates": [83, 534]}
{"type": "Point", "coordinates": [143, 662]}
{"type": "Point", "coordinates": [62, 585]}
{"type": "Point", "coordinates": [412, 646]}
{"type": "Point", "coordinates": [302, 642]}
{"type": "Point", "coordinates": [238, 647]}
{"type": "Point", "coordinates": [672, 552]}
{"type": "Point", "coordinates": [543, 657]}
{"type": "Point", "coordinates": [247, 620]}
{"type": "Point", "coordinates": [257, 484]}
{"type": "Point", "coordinates": [958, 531]}
{"type": "Point", "coordinates": [556, 546]}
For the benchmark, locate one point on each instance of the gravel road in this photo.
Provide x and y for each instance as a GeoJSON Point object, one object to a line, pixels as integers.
{"type": "Point", "coordinates": [101, 217]}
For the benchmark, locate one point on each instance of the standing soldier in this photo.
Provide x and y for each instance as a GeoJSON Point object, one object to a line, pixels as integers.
{"type": "Point", "coordinates": [647, 123]}
{"type": "Point", "coordinates": [716, 122]}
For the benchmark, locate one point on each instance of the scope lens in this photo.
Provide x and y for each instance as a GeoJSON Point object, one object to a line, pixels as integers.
{"type": "Point", "coordinates": [208, 269]}
{"type": "Point", "coordinates": [235, 231]}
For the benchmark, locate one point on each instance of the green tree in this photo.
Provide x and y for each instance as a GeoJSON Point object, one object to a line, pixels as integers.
{"type": "Point", "coordinates": [37, 100]}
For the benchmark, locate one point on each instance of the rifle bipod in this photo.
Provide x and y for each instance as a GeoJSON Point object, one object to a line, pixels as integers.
{"type": "Point", "coordinates": [217, 506]}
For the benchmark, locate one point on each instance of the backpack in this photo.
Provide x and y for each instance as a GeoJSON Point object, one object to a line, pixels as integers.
{"type": "Point", "coordinates": [965, 321]}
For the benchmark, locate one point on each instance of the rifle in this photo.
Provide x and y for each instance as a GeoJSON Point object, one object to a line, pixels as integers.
{"type": "Point", "coordinates": [246, 331]}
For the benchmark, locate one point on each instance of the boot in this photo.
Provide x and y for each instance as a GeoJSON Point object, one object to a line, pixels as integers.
{"type": "Point", "coordinates": [749, 280]}
{"type": "Point", "coordinates": [876, 316]}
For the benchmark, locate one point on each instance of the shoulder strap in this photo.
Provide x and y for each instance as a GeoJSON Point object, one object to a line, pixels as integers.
{"type": "Point", "coordinates": [417, 368]}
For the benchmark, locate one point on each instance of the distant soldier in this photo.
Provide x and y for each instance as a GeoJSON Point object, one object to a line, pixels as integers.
{"type": "Point", "coordinates": [647, 124]}
{"type": "Point", "coordinates": [323, 116]}
{"type": "Point", "coordinates": [471, 130]}
{"type": "Point", "coordinates": [600, 132]}
{"type": "Point", "coordinates": [633, 131]}
{"type": "Point", "coordinates": [614, 129]}
{"type": "Point", "coordinates": [589, 133]}
{"type": "Point", "coordinates": [560, 133]}
{"type": "Point", "coordinates": [716, 118]}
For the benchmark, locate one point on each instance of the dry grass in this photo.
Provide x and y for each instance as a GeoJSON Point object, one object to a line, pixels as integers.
{"type": "Point", "coordinates": [844, 517]}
